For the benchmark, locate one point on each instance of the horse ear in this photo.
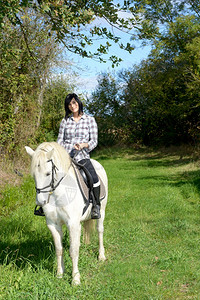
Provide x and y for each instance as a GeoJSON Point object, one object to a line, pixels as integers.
{"type": "Point", "coordinates": [50, 154]}
{"type": "Point", "coordinates": [29, 150]}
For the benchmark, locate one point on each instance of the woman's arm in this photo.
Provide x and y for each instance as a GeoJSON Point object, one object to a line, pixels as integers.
{"type": "Point", "coordinates": [81, 146]}
{"type": "Point", "coordinates": [93, 140]}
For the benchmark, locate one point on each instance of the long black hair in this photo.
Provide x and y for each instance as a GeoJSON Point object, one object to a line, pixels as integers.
{"type": "Point", "coordinates": [68, 99]}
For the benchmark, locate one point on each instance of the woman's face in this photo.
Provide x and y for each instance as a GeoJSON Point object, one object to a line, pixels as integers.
{"type": "Point", "coordinates": [73, 106]}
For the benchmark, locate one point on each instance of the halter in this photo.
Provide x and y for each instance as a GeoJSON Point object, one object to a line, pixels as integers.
{"type": "Point", "coordinates": [52, 183]}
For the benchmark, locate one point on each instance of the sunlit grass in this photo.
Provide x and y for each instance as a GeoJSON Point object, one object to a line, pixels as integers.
{"type": "Point", "coordinates": [152, 236]}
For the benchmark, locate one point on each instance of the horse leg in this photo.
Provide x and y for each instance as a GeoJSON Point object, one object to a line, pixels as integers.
{"type": "Point", "coordinates": [75, 233]}
{"type": "Point", "coordinates": [100, 230]}
{"type": "Point", "coordinates": [57, 234]}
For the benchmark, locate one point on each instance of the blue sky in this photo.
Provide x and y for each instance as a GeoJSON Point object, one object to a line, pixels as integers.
{"type": "Point", "coordinates": [88, 69]}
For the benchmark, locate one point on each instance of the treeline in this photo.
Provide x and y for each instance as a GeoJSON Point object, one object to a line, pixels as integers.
{"type": "Point", "coordinates": [157, 102]}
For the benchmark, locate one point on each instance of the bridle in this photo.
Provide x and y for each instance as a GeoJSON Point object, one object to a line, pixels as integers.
{"type": "Point", "coordinates": [52, 184]}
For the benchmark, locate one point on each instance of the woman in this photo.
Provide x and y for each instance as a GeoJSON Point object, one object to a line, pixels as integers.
{"type": "Point", "coordinates": [79, 131]}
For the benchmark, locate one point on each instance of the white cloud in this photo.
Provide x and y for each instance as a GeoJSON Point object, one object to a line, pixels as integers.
{"type": "Point", "coordinates": [87, 84]}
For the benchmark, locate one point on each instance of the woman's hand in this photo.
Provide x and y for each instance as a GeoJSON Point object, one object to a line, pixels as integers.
{"type": "Point", "coordinates": [81, 146]}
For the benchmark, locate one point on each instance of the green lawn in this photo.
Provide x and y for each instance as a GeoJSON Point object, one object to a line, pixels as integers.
{"type": "Point", "coordinates": [152, 235]}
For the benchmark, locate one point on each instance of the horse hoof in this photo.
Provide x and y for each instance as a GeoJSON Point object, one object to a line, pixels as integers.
{"type": "Point", "coordinates": [76, 279]}
{"type": "Point", "coordinates": [102, 258]}
{"type": "Point", "coordinates": [59, 275]}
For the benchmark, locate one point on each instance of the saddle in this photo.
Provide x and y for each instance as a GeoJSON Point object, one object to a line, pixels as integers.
{"type": "Point", "coordinates": [85, 183]}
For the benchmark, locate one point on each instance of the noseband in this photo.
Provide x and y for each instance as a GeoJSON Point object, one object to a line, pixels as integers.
{"type": "Point", "coordinates": [52, 183]}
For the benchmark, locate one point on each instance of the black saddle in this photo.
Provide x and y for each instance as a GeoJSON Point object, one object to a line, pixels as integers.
{"type": "Point", "coordinates": [85, 182]}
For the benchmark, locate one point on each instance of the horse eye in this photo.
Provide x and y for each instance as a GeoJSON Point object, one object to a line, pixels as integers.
{"type": "Point", "coordinates": [48, 174]}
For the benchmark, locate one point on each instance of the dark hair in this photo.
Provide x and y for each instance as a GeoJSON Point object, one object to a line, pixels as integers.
{"type": "Point", "coordinates": [68, 99]}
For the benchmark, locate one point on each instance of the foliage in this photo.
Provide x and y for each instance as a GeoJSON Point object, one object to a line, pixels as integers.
{"type": "Point", "coordinates": [15, 75]}
{"type": "Point", "coordinates": [106, 105]}
{"type": "Point", "coordinates": [68, 20]}
{"type": "Point", "coordinates": [159, 99]}
{"type": "Point", "coordinates": [23, 78]}
{"type": "Point", "coordinates": [151, 235]}
{"type": "Point", "coordinates": [53, 107]}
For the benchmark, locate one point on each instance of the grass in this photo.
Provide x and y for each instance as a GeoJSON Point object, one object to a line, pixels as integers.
{"type": "Point", "coordinates": [152, 235]}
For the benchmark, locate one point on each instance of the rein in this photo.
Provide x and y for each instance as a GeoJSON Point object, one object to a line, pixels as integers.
{"type": "Point", "coordinates": [52, 183]}
{"type": "Point", "coordinates": [76, 152]}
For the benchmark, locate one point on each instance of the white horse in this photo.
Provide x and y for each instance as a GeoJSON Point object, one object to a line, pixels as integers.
{"type": "Point", "coordinates": [59, 194]}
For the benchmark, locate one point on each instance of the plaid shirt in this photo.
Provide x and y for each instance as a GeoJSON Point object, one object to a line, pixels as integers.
{"type": "Point", "coordinates": [84, 131]}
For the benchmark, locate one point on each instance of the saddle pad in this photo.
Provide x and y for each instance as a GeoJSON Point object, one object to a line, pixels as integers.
{"type": "Point", "coordinates": [84, 188]}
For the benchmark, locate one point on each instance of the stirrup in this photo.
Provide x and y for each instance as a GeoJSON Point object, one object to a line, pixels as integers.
{"type": "Point", "coordinates": [95, 212]}
{"type": "Point", "coordinates": [39, 211]}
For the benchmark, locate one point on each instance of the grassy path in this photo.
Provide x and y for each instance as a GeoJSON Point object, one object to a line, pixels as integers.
{"type": "Point", "coordinates": [152, 236]}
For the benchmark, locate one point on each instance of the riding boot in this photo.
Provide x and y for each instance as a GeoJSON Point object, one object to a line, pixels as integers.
{"type": "Point", "coordinates": [39, 211]}
{"type": "Point", "coordinates": [95, 213]}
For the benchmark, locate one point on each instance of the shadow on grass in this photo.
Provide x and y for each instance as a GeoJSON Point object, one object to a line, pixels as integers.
{"type": "Point", "coordinates": [23, 246]}
{"type": "Point", "coordinates": [171, 155]}
{"type": "Point", "coordinates": [178, 180]}
{"type": "Point", "coordinates": [158, 162]}
{"type": "Point", "coordinates": [189, 177]}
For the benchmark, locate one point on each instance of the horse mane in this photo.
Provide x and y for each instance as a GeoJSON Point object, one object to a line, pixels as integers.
{"type": "Point", "coordinates": [60, 156]}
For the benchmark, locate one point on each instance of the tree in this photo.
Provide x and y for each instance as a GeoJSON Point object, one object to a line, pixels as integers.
{"type": "Point", "coordinates": [107, 105]}
{"type": "Point", "coordinates": [22, 78]}
{"type": "Point", "coordinates": [53, 107]}
{"type": "Point", "coordinates": [164, 91]}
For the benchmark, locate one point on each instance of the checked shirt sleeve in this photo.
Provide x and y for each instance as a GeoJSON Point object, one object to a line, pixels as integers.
{"type": "Point", "coordinates": [93, 140]}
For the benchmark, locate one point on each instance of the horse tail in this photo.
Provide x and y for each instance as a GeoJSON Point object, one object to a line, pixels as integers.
{"type": "Point", "coordinates": [88, 229]}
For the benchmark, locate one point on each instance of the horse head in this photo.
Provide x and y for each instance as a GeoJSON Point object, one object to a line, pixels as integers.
{"type": "Point", "coordinates": [44, 169]}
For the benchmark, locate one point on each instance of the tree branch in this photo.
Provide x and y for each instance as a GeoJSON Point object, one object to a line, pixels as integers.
{"type": "Point", "coordinates": [25, 39]}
